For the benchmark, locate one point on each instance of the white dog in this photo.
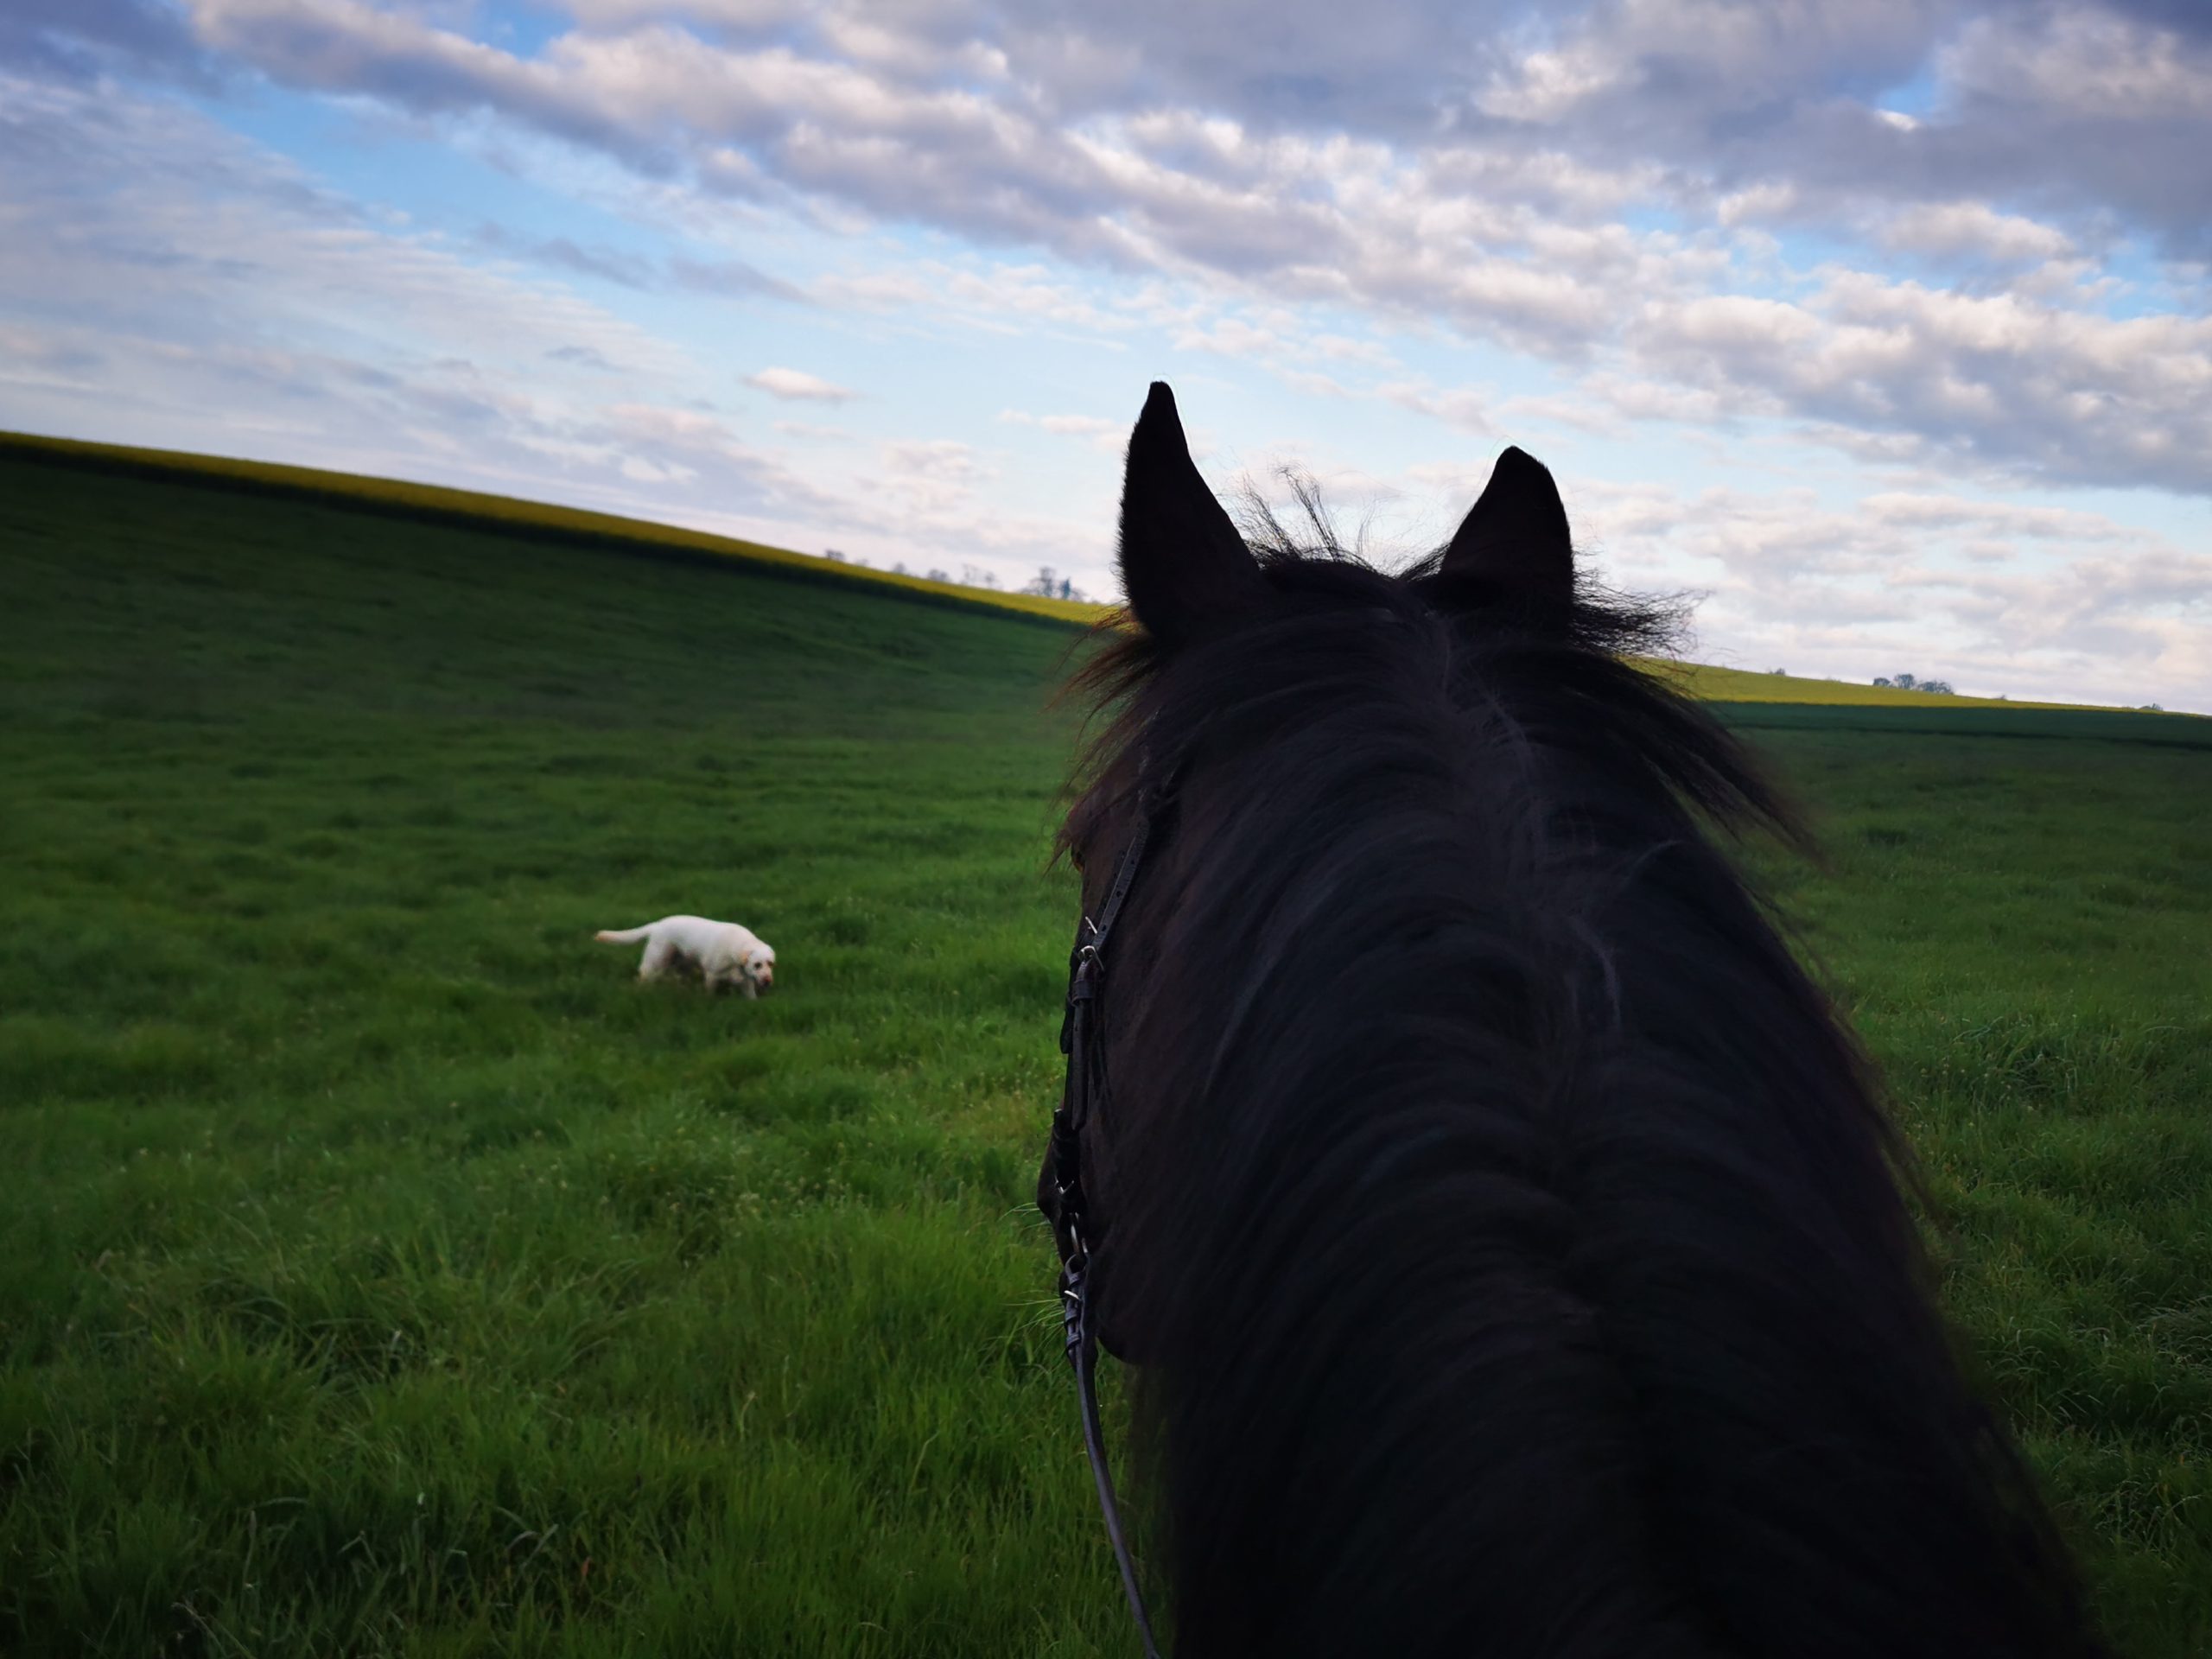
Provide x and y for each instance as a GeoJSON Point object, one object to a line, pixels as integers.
{"type": "Point", "coordinates": [721, 953]}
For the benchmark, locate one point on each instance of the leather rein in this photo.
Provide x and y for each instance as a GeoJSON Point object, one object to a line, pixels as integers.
{"type": "Point", "coordinates": [1086, 1084]}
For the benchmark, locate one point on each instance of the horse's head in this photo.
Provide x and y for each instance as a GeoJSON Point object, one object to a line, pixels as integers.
{"type": "Point", "coordinates": [1235, 657]}
{"type": "Point", "coordinates": [1506, 1218]}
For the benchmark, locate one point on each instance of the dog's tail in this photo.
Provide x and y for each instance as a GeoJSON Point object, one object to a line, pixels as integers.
{"type": "Point", "coordinates": [626, 936]}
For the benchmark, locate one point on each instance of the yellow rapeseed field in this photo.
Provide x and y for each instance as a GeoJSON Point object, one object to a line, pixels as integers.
{"type": "Point", "coordinates": [1744, 685]}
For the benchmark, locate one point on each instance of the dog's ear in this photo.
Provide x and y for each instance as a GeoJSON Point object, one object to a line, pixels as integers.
{"type": "Point", "coordinates": [1515, 536]}
{"type": "Point", "coordinates": [1185, 568]}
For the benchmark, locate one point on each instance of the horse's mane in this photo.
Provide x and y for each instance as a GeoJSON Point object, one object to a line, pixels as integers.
{"type": "Point", "coordinates": [1518, 1230]}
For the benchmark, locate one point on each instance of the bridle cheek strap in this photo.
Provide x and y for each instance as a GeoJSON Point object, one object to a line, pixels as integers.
{"type": "Point", "coordinates": [1082, 1343]}
{"type": "Point", "coordinates": [1086, 1084]}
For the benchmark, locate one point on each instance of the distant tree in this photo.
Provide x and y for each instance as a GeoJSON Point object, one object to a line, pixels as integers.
{"type": "Point", "coordinates": [900, 568]}
{"type": "Point", "coordinates": [938, 576]}
{"type": "Point", "coordinates": [1904, 682]}
{"type": "Point", "coordinates": [1883, 679]}
{"type": "Point", "coordinates": [1045, 584]}
{"type": "Point", "coordinates": [1940, 688]}
{"type": "Point", "coordinates": [1783, 672]}
{"type": "Point", "coordinates": [833, 555]}
{"type": "Point", "coordinates": [2153, 708]}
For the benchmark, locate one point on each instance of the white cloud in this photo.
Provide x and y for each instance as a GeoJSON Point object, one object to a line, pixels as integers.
{"type": "Point", "coordinates": [1086, 426]}
{"type": "Point", "coordinates": [1346, 219]}
{"type": "Point", "coordinates": [2087, 608]}
{"type": "Point", "coordinates": [1108, 437]}
{"type": "Point", "coordinates": [1458, 406]}
{"type": "Point", "coordinates": [2083, 60]}
{"type": "Point", "coordinates": [797, 385]}
{"type": "Point", "coordinates": [2063, 393]}
{"type": "Point", "coordinates": [1998, 381]}
{"type": "Point", "coordinates": [1975, 228]}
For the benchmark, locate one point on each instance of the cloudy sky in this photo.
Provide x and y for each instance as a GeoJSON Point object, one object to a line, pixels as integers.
{"type": "Point", "coordinates": [1885, 324]}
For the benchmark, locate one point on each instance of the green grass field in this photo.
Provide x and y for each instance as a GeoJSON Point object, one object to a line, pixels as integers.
{"type": "Point", "coordinates": [388, 1272]}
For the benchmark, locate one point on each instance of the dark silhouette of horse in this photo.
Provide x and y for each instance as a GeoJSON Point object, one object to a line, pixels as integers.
{"type": "Point", "coordinates": [1517, 1248]}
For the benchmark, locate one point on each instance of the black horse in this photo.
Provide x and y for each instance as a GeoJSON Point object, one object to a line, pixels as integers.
{"type": "Point", "coordinates": [1513, 1239]}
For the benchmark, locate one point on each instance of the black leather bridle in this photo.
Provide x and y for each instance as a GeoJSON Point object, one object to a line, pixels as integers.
{"type": "Point", "coordinates": [1085, 1087]}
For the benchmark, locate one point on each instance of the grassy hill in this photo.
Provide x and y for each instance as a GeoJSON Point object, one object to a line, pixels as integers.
{"type": "Point", "coordinates": [470, 509]}
{"type": "Point", "coordinates": [390, 1273]}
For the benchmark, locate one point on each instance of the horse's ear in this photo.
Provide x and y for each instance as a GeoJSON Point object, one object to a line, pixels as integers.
{"type": "Point", "coordinates": [1516, 534]}
{"type": "Point", "coordinates": [1183, 566]}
